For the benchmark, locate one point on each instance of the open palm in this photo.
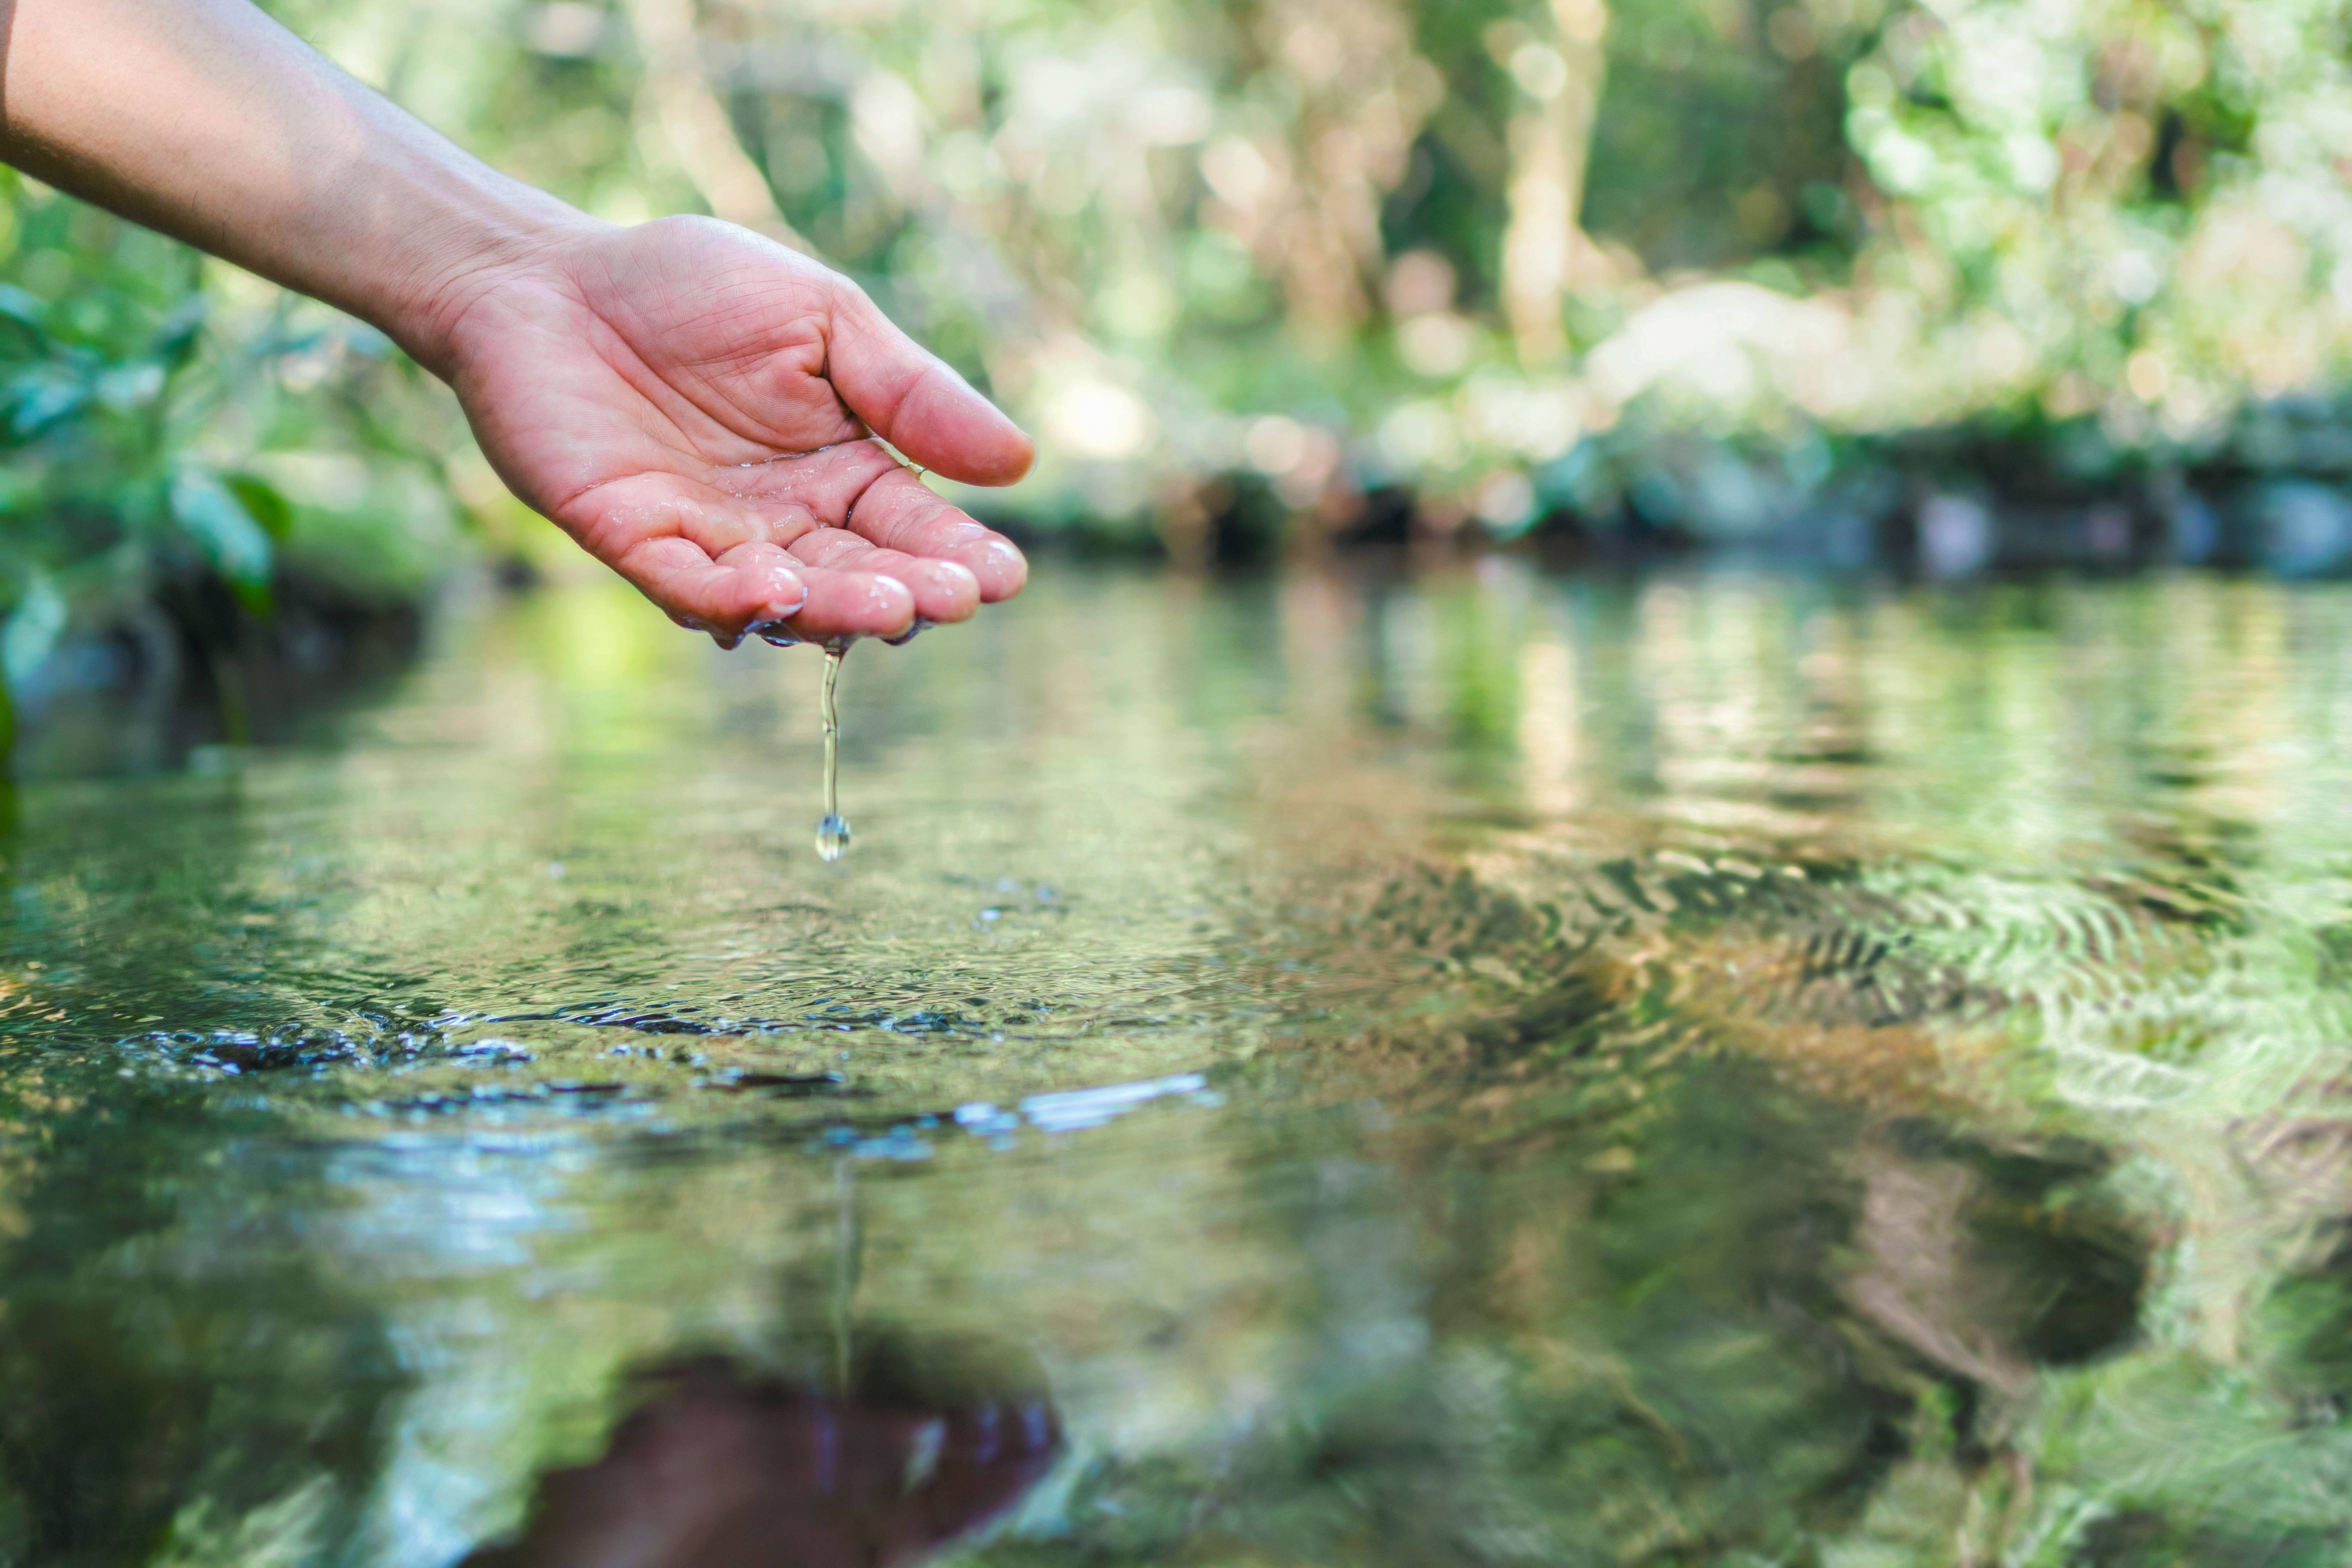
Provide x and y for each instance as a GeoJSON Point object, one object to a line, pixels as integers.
{"type": "Point", "coordinates": [694, 405]}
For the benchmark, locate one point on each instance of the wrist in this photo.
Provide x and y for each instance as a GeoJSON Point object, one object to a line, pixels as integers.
{"type": "Point", "coordinates": [491, 234]}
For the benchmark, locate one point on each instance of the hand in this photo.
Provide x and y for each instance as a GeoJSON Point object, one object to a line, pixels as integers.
{"type": "Point", "coordinates": [691, 402]}
{"type": "Point", "coordinates": [694, 405]}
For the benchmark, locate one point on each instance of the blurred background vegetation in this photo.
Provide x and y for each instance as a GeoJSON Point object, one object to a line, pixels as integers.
{"type": "Point", "coordinates": [1952, 285]}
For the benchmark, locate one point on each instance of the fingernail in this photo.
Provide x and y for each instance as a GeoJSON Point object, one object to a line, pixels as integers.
{"type": "Point", "coordinates": [911, 633]}
{"type": "Point", "coordinates": [774, 633]}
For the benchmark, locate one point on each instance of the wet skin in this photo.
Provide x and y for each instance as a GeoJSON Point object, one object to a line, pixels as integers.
{"type": "Point", "coordinates": [695, 403]}
{"type": "Point", "coordinates": [690, 401]}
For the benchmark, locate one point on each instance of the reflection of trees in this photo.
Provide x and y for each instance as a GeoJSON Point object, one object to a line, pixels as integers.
{"type": "Point", "coordinates": [178, 1379]}
{"type": "Point", "coordinates": [1936, 993]}
{"type": "Point", "coordinates": [1869, 1082]}
{"type": "Point", "coordinates": [1646, 1328]}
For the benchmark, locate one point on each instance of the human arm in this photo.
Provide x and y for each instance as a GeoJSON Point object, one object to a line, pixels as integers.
{"type": "Point", "coordinates": [690, 401]}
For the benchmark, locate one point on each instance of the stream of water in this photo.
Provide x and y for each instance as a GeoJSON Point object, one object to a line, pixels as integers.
{"type": "Point", "coordinates": [832, 829]}
{"type": "Point", "coordinates": [1481, 1067]}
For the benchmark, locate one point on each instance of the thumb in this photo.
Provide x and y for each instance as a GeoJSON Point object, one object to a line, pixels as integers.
{"type": "Point", "coordinates": [916, 401]}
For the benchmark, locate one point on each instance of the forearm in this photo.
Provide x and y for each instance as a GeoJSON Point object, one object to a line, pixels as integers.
{"type": "Point", "coordinates": [208, 121]}
{"type": "Point", "coordinates": [688, 399]}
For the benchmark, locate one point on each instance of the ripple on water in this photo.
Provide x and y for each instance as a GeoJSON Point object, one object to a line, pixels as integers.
{"type": "Point", "coordinates": [1559, 1070]}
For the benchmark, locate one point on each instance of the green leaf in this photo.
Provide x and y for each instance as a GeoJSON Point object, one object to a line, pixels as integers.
{"type": "Point", "coordinates": [175, 339]}
{"type": "Point", "coordinates": [32, 629]}
{"type": "Point", "coordinates": [23, 312]}
{"type": "Point", "coordinates": [238, 546]}
{"type": "Point", "coordinates": [130, 386]}
{"type": "Point", "coordinates": [264, 500]}
{"type": "Point", "coordinates": [40, 398]}
{"type": "Point", "coordinates": [19, 491]}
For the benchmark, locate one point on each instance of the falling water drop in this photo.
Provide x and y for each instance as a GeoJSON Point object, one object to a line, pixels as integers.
{"type": "Point", "coordinates": [833, 833]}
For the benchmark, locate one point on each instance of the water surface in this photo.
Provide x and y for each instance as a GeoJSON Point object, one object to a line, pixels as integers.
{"type": "Point", "coordinates": [1482, 1068]}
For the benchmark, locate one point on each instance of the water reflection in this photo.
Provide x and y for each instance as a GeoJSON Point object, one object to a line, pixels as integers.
{"type": "Point", "coordinates": [165, 1388]}
{"type": "Point", "coordinates": [1485, 1069]}
{"type": "Point", "coordinates": [715, 1467]}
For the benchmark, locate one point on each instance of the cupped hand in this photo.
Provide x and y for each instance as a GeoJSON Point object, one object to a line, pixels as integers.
{"type": "Point", "coordinates": [697, 406]}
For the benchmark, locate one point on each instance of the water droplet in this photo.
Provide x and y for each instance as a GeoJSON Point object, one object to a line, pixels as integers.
{"type": "Point", "coordinates": [831, 837]}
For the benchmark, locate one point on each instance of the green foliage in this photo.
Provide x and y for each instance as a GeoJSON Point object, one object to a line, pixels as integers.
{"type": "Point", "coordinates": [148, 404]}
{"type": "Point", "coordinates": [1305, 248]}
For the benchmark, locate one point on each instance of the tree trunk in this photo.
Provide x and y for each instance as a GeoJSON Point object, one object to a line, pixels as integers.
{"type": "Point", "coordinates": [682, 121]}
{"type": "Point", "coordinates": [1560, 75]}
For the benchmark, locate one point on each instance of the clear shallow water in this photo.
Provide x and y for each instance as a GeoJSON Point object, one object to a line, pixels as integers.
{"type": "Point", "coordinates": [1484, 1069]}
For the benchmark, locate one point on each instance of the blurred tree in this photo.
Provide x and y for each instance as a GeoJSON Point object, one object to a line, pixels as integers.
{"type": "Point", "coordinates": [1558, 67]}
{"type": "Point", "coordinates": [1656, 262]}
